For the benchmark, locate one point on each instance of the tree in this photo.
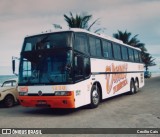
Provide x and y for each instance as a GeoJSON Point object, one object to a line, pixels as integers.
{"type": "Point", "coordinates": [148, 60]}
{"type": "Point", "coordinates": [57, 26]}
{"type": "Point", "coordinates": [79, 21]}
{"type": "Point", "coordinates": [127, 39]}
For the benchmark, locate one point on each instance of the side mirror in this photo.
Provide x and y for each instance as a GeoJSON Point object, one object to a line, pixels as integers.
{"type": "Point", "coordinates": [13, 66]}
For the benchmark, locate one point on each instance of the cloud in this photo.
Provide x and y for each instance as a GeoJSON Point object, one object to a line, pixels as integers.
{"type": "Point", "coordinates": [21, 18]}
{"type": "Point", "coordinates": [137, 17]}
{"type": "Point", "coordinates": [6, 70]}
{"type": "Point", "coordinates": [34, 8]}
{"type": "Point", "coordinates": [153, 49]}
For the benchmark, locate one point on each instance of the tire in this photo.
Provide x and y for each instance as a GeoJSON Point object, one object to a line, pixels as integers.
{"type": "Point", "coordinates": [136, 85]}
{"type": "Point", "coordinates": [95, 97]}
{"type": "Point", "coordinates": [132, 87]}
{"type": "Point", "coordinates": [9, 101]}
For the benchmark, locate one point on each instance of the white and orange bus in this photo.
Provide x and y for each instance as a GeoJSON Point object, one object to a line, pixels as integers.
{"type": "Point", "coordinates": [73, 68]}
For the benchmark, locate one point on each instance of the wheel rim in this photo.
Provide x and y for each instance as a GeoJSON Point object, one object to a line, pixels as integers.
{"type": "Point", "coordinates": [136, 86]}
{"type": "Point", "coordinates": [95, 97]}
{"type": "Point", "coordinates": [132, 87]}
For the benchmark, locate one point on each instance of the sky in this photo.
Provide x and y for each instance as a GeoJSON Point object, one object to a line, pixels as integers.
{"type": "Point", "coordinates": [19, 19]}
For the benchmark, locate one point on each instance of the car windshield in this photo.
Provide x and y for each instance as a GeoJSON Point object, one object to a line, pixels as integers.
{"type": "Point", "coordinates": [45, 67]}
{"type": "Point", "coordinates": [9, 83]}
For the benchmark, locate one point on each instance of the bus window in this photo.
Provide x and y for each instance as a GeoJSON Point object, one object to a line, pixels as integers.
{"type": "Point", "coordinates": [95, 47]}
{"type": "Point", "coordinates": [140, 56]}
{"type": "Point", "coordinates": [136, 56]}
{"type": "Point", "coordinates": [117, 51]}
{"type": "Point", "coordinates": [82, 66]}
{"type": "Point", "coordinates": [48, 41]}
{"type": "Point", "coordinates": [78, 67]}
{"type": "Point", "coordinates": [124, 53]}
{"type": "Point", "coordinates": [98, 48]}
{"type": "Point", "coordinates": [107, 49]}
{"type": "Point", "coordinates": [87, 69]}
{"type": "Point", "coordinates": [81, 43]}
{"type": "Point", "coordinates": [131, 55]}
{"type": "Point", "coordinates": [27, 68]}
{"type": "Point", "coordinates": [28, 47]}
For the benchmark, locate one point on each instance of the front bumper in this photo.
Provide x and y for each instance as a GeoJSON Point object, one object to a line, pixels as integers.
{"type": "Point", "coordinates": [48, 101]}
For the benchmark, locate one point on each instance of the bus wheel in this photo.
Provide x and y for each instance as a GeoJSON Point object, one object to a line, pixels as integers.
{"type": "Point", "coordinates": [95, 97]}
{"type": "Point", "coordinates": [132, 87]}
{"type": "Point", "coordinates": [136, 85]}
{"type": "Point", "coordinates": [9, 101]}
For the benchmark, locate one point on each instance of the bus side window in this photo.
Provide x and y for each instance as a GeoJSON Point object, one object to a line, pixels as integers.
{"type": "Point", "coordinates": [81, 67]}
{"type": "Point", "coordinates": [81, 43]}
{"type": "Point", "coordinates": [92, 46]}
{"type": "Point", "coordinates": [95, 47]}
{"type": "Point", "coordinates": [131, 54]}
{"type": "Point", "coordinates": [87, 69]}
{"type": "Point", "coordinates": [98, 48]}
{"type": "Point", "coordinates": [107, 49]}
{"type": "Point", "coordinates": [78, 67]}
{"type": "Point", "coordinates": [124, 53]}
{"type": "Point", "coordinates": [136, 56]}
{"type": "Point", "coordinates": [140, 57]}
{"type": "Point", "coordinates": [117, 51]}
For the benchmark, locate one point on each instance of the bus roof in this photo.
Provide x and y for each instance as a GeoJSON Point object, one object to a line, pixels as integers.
{"type": "Point", "coordinates": [104, 36]}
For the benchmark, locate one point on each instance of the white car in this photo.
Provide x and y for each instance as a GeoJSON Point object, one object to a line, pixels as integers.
{"type": "Point", "coordinates": [9, 93]}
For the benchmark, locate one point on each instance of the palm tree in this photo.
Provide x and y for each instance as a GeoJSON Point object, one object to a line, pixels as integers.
{"type": "Point", "coordinates": [126, 38]}
{"type": "Point", "coordinates": [148, 60]}
{"type": "Point", "coordinates": [79, 21]}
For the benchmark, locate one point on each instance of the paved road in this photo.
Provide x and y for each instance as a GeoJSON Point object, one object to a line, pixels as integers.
{"type": "Point", "coordinates": [141, 110]}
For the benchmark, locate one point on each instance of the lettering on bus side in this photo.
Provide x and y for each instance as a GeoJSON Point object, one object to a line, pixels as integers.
{"type": "Point", "coordinates": [140, 67]}
{"type": "Point", "coordinates": [78, 92]}
{"type": "Point", "coordinates": [116, 81]}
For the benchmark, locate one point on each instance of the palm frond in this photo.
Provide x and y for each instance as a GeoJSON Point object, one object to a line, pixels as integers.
{"type": "Point", "coordinates": [79, 21]}
{"type": "Point", "coordinates": [92, 24]}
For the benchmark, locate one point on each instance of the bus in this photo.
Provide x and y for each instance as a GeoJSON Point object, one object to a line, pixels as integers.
{"type": "Point", "coordinates": [73, 68]}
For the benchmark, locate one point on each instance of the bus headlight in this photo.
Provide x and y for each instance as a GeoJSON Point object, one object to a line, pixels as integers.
{"type": "Point", "coordinates": [63, 93]}
{"type": "Point", "coordinates": [23, 93]}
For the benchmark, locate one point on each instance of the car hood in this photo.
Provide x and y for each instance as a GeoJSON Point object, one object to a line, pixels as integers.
{"type": "Point", "coordinates": [5, 88]}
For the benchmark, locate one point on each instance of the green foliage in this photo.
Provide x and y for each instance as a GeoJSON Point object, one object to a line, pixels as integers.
{"type": "Point", "coordinates": [79, 21]}
{"type": "Point", "coordinates": [126, 38]}
{"type": "Point", "coordinates": [147, 59]}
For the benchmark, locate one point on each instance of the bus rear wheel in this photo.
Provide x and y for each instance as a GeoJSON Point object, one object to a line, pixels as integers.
{"type": "Point", "coordinates": [95, 97]}
{"type": "Point", "coordinates": [136, 85]}
{"type": "Point", "coordinates": [132, 87]}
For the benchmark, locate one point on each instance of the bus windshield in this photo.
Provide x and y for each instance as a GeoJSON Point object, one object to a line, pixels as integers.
{"type": "Point", "coordinates": [45, 67]}
{"type": "Point", "coordinates": [47, 41]}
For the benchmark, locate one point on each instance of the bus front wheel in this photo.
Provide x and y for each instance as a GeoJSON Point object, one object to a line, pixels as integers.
{"type": "Point", "coordinates": [95, 97]}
